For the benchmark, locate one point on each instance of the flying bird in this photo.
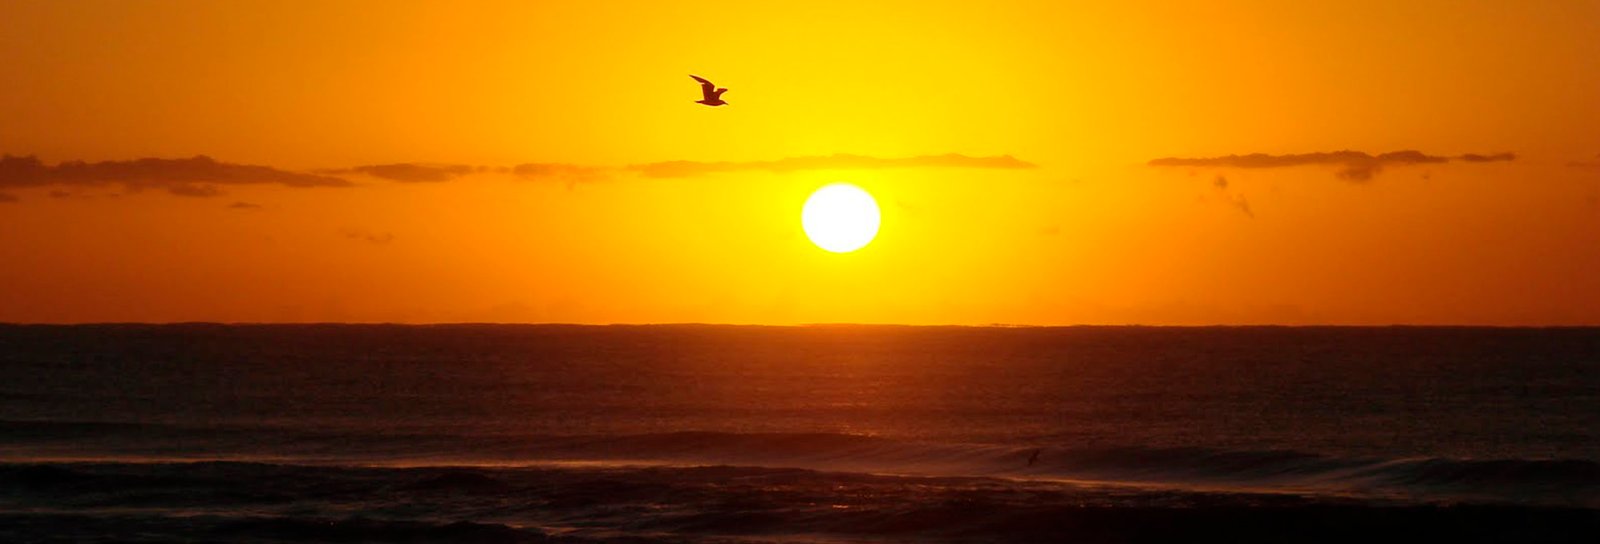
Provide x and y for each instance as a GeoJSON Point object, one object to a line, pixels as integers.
{"type": "Point", "coordinates": [712, 95]}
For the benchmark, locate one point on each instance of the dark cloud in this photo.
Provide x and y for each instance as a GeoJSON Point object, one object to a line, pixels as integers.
{"type": "Point", "coordinates": [178, 176]}
{"type": "Point", "coordinates": [1242, 205]}
{"type": "Point", "coordinates": [197, 190]}
{"type": "Point", "coordinates": [410, 172]}
{"type": "Point", "coordinates": [1237, 201]}
{"type": "Point", "coordinates": [7, 198]}
{"type": "Point", "coordinates": [676, 169]}
{"type": "Point", "coordinates": [244, 206]}
{"type": "Point", "coordinates": [558, 171]}
{"type": "Point", "coordinates": [1353, 165]}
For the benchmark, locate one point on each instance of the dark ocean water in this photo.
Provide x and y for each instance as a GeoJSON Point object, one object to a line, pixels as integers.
{"type": "Point", "coordinates": [487, 433]}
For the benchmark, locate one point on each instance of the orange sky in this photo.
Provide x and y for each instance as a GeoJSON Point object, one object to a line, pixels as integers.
{"type": "Point", "coordinates": [1010, 145]}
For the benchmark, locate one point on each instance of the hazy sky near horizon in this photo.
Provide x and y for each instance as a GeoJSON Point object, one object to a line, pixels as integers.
{"type": "Point", "coordinates": [1366, 162]}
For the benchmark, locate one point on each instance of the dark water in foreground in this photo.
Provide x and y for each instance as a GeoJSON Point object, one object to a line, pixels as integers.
{"type": "Point", "coordinates": [479, 433]}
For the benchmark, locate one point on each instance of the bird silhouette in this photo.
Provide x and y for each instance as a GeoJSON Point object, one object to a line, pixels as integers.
{"type": "Point", "coordinates": [712, 95]}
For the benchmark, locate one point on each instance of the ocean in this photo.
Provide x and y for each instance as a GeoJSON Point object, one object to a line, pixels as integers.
{"type": "Point", "coordinates": [829, 433]}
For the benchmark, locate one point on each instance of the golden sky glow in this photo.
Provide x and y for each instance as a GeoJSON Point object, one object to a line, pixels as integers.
{"type": "Point", "coordinates": [1035, 162]}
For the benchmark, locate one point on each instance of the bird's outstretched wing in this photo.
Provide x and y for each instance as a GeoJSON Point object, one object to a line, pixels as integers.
{"type": "Point", "coordinates": [706, 88]}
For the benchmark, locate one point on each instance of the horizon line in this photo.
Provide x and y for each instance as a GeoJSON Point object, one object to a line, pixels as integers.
{"type": "Point", "coordinates": [791, 325]}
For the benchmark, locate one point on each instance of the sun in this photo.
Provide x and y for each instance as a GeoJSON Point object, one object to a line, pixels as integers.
{"type": "Point", "coordinates": [840, 217]}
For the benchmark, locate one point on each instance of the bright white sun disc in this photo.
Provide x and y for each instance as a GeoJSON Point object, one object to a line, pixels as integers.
{"type": "Point", "coordinates": [840, 217]}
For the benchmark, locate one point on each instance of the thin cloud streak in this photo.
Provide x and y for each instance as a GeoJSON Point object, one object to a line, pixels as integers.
{"type": "Point", "coordinates": [195, 190]}
{"type": "Point", "coordinates": [204, 177]}
{"type": "Point", "coordinates": [678, 169]}
{"type": "Point", "coordinates": [179, 176]}
{"type": "Point", "coordinates": [1497, 157]}
{"type": "Point", "coordinates": [1586, 164]}
{"type": "Point", "coordinates": [560, 172]}
{"type": "Point", "coordinates": [363, 235]}
{"type": "Point", "coordinates": [1354, 165]}
{"type": "Point", "coordinates": [407, 172]}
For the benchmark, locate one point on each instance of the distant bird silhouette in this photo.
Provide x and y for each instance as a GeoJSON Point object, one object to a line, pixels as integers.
{"type": "Point", "coordinates": [712, 95]}
{"type": "Point", "coordinates": [1034, 458]}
